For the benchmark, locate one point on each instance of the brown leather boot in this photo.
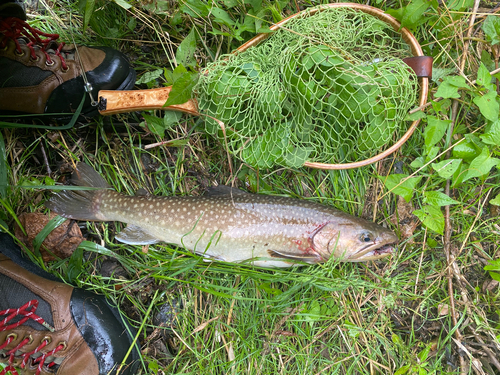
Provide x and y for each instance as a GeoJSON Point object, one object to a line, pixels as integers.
{"type": "Point", "coordinates": [41, 76]}
{"type": "Point", "coordinates": [47, 327]}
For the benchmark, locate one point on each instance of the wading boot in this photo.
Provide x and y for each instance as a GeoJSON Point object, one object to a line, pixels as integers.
{"type": "Point", "coordinates": [47, 327]}
{"type": "Point", "coordinates": [42, 76]}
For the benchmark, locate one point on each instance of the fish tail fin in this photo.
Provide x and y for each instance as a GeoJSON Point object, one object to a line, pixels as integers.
{"type": "Point", "coordinates": [81, 204]}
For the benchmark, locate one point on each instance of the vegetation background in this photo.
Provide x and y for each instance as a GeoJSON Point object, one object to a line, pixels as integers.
{"type": "Point", "coordinates": [432, 308]}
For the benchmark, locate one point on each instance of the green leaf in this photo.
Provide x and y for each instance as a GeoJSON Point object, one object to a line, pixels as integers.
{"type": "Point", "coordinates": [230, 3]}
{"type": "Point", "coordinates": [488, 105]}
{"type": "Point", "coordinates": [297, 157]}
{"type": "Point", "coordinates": [459, 175]}
{"type": "Point", "coordinates": [434, 131]}
{"type": "Point", "coordinates": [459, 4]}
{"type": "Point", "coordinates": [265, 150]}
{"type": "Point", "coordinates": [75, 264]}
{"type": "Point", "coordinates": [487, 60]}
{"type": "Point", "coordinates": [182, 89]}
{"type": "Point", "coordinates": [178, 72]}
{"type": "Point", "coordinates": [495, 201]}
{"type": "Point", "coordinates": [491, 28]}
{"type": "Point", "coordinates": [495, 276]}
{"type": "Point", "coordinates": [492, 135]}
{"type": "Point", "coordinates": [431, 242]}
{"type": "Point", "coordinates": [466, 150]}
{"type": "Point", "coordinates": [402, 370]}
{"type": "Point", "coordinates": [404, 189]}
{"type": "Point", "coordinates": [449, 87]}
{"type": "Point", "coordinates": [3, 169]}
{"type": "Point", "coordinates": [170, 119]}
{"type": "Point", "coordinates": [436, 198]}
{"type": "Point", "coordinates": [221, 16]}
{"type": "Point", "coordinates": [412, 14]}
{"type": "Point", "coordinates": [432, 218]}
{"type": "Point", "coordinates": [185, 53]}
{"type": "Point", "coordinates": [195, 8]}
{"type": "Point", "coordinates": [266, 287]}
{"type": "Point", "coordinates": [149, 76]}
{"type": "Point", "coordinates": [89, 11]}
{"type": "Point", "coordinates": [416, 116]}
{"type": "Point", "coordinates": [481, 165]}
{"type": "Point", "coordinates": [446, 168]}
{"type": "Point", "coordinates": [396, 339]}
{"type": "Point", "coordinates": [484, 78]}
{"type": "Point", "coordinates": [154, 124]}
{"type": "Point", "coordinates": [493, 265]}
{"type": "Point", "coordinates": [123, 4]}
{"type": "Point", "coordinates": [422, 356]}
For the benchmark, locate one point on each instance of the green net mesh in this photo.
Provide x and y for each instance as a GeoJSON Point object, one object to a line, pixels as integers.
{"type": "Point", "coordinates": [329, 87]}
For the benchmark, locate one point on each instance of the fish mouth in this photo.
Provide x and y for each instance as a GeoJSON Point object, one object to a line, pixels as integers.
{"type": "Point", "coordinates": [372, 252]}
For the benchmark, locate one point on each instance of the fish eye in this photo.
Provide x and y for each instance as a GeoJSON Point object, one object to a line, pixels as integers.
{"type": "Point", "coordinates": [366, 237]}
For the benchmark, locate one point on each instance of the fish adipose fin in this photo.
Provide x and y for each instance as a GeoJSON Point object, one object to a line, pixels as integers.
{"type": "Point", "coordinates": [223, 190]}
{"type": "Point", "coordinates": [80, 204]}
{"type": "Point", "coordinates": [307, 258]}
{"type": "Point", "coordinates": [134, 235]}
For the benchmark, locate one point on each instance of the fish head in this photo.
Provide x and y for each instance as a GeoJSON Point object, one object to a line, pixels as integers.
{"type": "Point", "coordinates": [354, 240]}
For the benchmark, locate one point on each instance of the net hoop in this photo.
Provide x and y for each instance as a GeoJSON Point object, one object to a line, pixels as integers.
{"type": "Point", "coordinates": [407, 36]}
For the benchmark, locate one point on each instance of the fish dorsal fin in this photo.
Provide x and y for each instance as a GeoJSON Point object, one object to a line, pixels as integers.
{"type": "Point", "coordinates": [224, 190]}
{"type": "Point", "coordinates": [85, 175]}
{"type": "Point", "coordinates": [134, 235]}
{"type": "Point", "coordinates": [307, 258]}
{"type": "Point", "coordinates": [141, 192]}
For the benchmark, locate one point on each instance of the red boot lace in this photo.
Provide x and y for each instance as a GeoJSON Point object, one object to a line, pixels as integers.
{"type": "Point", "coordinates": [14, 28]}
{"type": "Point", "coordinates": [28, 312]}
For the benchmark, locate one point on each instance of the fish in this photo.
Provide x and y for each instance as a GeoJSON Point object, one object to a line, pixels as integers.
{"type": "Point", "coordinates": [228, 224]}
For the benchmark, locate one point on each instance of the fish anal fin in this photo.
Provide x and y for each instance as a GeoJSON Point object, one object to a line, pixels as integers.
{"type": "Point", "coordinates": [306, 258]}
{"type": "Point", "coordinates": [224, 190]}
{"type": "Point", "coordinates": [134, 235]}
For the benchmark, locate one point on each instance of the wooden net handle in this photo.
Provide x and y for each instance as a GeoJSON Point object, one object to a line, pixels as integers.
{"type": "Point", "coordinates": [113, 101]}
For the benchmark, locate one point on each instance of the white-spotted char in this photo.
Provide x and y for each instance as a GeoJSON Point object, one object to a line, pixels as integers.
{"type": "Point", "coordinates": [228, 224]}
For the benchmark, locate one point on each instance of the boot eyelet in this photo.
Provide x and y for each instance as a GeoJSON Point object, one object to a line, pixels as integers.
{"type": "Point", "coordinates": [4, 48]}
{"type": "Point", "coordinates": [20, 54]}
{"type": "Point", "coordinates": [65, 346]}
{"type": "Point", "coordinates": [13, 335]}
{"type": "Point", "coordinates": [30, 339]}
{"type": "Point", "coordinates": [48, 339]}
{"type": "Point", "coordinates": [65, 70]}
{"type": "Point", "coordinates": [49, 63]}
{"type": "Point", "coordinates": [34, 59]}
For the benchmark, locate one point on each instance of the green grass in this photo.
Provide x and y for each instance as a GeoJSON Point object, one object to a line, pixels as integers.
{"type": "Point", "coordinates": [343, 318]}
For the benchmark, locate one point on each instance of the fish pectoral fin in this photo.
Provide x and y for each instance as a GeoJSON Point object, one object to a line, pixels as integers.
{"type": "Point", "coordinates": [223, 190]}
{"type": "Point", "coordinates": [134, 235]}
{"type": "Point", "coordinates": [307, 258]}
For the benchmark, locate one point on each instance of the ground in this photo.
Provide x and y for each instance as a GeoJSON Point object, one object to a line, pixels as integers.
{"type": "Point", "coordinates": [431, 308]}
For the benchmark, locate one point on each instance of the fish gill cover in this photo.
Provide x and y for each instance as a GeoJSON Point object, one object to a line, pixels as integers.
{"type": "Point", "coordinates": [329, 87]}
